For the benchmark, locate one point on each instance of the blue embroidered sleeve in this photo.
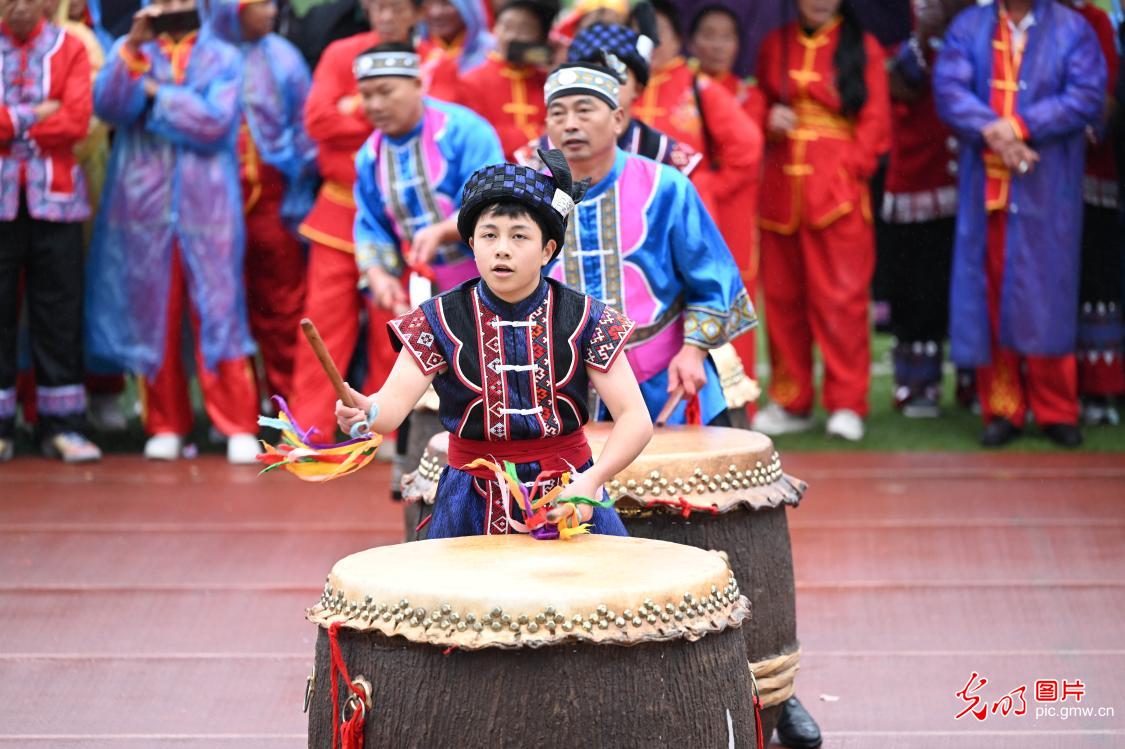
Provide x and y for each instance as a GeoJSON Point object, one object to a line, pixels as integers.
{"type": "Point", "coordinates": [717, 308]}
{"type": "Point", "coordinates": [605, 336]}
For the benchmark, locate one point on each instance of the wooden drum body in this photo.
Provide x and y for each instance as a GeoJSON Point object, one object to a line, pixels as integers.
{"type": "Point", "coordinates": [720, 488]}
{"type": "Point", "coordinates": [505, 641]}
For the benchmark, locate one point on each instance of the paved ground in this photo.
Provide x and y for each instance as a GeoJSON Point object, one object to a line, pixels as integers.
{"type": "Point", "coordinates": [145, 605]}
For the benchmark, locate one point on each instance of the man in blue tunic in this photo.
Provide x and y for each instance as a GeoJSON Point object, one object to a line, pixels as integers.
{"type": "Point", "coordinates": [643, 243]}
{"type": "Point", "coordinates": [1020, 81]}
{"type": "Point", "coordinates": [410, 174]}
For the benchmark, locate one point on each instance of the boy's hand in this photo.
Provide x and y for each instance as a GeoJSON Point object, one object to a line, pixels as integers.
{"type": "Point", "coordinates": [581, 485]}
{"type": "Point", "coordinates": [346, 416]}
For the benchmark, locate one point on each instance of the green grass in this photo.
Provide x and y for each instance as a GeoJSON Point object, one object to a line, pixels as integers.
{"type": "Point", "coordinates": [955, 430]}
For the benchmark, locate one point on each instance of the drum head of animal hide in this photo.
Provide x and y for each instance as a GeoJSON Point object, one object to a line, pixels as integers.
{"type": "Point", "coordinates": [700, 469]}
{"type": "Point", "coordinates": [514, 591]}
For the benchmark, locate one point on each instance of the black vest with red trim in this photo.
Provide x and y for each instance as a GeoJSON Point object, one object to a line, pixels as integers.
{"type": "Point", "coordinates": [512, 371]}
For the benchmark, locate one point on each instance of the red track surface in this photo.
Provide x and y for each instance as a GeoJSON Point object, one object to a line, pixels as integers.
{"type": "Point", "coordinates": [149, 605]}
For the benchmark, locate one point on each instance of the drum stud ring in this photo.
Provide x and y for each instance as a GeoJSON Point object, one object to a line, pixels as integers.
{"type": "Point", "coordinates": [441, 621]}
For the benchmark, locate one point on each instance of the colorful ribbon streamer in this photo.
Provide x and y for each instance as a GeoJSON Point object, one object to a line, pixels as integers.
{"type": "Point", "coordinates": [535, 506]}
{"type": "Point", "coordinates": [313, 461]}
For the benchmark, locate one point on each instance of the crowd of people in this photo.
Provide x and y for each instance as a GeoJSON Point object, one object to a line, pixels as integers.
{"type": "Point", "coordinates": [197, 175]}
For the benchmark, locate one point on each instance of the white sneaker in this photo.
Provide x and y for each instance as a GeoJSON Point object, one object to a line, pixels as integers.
{"type": "Point", "coordinates": [242, 449]}
{"type": "Point", "coordinates": [72, 447]}
{"type": "Point", "coordinates": [165, 446]}
{"type": "Point", "coordinates": [845, 424]}
{"type": "Point", "coordinates": [774, 420]}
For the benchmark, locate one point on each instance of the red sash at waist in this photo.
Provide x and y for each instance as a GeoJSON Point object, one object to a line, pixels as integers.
{"type": "Point", "coordinates": [551, 453]}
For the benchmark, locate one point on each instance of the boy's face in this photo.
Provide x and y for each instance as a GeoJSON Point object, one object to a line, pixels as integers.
{"type": "Point", "coordinates": [510, 254]}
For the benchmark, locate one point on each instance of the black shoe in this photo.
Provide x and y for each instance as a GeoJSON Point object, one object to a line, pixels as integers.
{"type": "Point", "coordinates": [796, 729]}
{"type": "Point", "coordinates": [1066, 435]}
{"type": "Point", "coordinates": [999, 432]}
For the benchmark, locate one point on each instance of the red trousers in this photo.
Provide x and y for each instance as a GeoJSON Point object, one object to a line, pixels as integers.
{"type": "Point", "coordinates": [817, 285]}
{"type": "Point", "coordinates": [230, 391]}
{"type": "Point", "coordinates": [737, 223]}
{"type": "Point", "coordinates": [1012, 383]}
{"type": "Point", "coordinates": [275, 282]}
{"type": "Point", "coordinates": [334, 305]}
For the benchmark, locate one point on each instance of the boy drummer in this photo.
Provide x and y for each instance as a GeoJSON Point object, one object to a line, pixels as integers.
{"type": "Point", "coordinates": [511, 356]}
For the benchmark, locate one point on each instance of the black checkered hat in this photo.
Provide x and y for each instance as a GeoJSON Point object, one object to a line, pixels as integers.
{"type": "Point", "coordinates": [617, 45]}
{"type": "Point", "coordinates": [550, 197]}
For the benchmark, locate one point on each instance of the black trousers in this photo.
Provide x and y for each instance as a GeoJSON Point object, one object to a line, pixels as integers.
{"type": "Point", "coordinates": [48, 256]}
{"type": "Point", "coordinates": [919, 260]}
{"type": "Point", "coordinates": [1101, 257]}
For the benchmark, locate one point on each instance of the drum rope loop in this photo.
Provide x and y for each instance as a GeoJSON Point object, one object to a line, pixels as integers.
{"type": "Point", "coordinates": [775, 677]}
{"type": "Point", "coordinates": [347, 734]}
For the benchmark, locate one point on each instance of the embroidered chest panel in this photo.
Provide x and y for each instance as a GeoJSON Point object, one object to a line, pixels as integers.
{"type": "Point", "coordinates": [513, 379]}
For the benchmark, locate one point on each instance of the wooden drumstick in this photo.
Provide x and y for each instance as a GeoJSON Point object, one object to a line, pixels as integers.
{"type": "Point", "coordinates": [673, 401]}
{"type": "Point", "coordinates": [317, 343]}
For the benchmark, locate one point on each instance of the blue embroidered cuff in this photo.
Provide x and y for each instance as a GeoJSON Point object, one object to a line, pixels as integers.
{"type": "Point", "coordinates": [708, 328]}
{"type": "Point", "coordinates": [372, 254]}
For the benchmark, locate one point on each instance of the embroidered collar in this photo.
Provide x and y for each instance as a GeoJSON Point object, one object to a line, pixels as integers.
{"type": "Point", "coordinates": [520, 310]}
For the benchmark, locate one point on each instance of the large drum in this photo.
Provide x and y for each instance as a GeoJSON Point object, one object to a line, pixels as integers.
{"type": "Point", "coordinates": [505, 641]}
{"type": "Point", "coordinates": [720, 488]}
{"type": "Point", "coordinates": [714, 488]}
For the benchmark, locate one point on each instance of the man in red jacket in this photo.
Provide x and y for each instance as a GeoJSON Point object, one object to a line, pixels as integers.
{"type": "Point", "coordinates": [45, 109]}
{"type": "Point", "coordinates": [335, 120]}
{"type": "Point", "coordinates": [507, 89]}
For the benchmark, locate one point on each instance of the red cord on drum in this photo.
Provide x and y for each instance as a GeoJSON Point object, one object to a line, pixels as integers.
{"type": "Point", "coordinates": [757, 709]}
{"type": "Point", "coordinates": [350, 734]}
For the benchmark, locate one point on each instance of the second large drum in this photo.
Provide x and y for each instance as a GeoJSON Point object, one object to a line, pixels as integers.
{"type": "Point", "coordinates": [720, 488]}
